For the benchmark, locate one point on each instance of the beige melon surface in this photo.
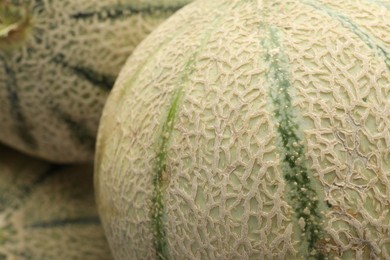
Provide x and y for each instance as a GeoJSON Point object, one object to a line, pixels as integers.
{"type": "Point", "coordinates": [252, 130]}
{"type": "Point", "coordinates": [48, 212]}
{"type": "Point", "coordinates": [58, 62]}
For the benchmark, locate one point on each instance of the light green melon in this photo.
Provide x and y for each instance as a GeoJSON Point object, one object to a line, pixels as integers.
{"type": "Point", "coordinates": [48, 211]}
{"type": "Point", "coordinates": [252, 130]}
{"type": "Point", "coordinates": [58, 61]}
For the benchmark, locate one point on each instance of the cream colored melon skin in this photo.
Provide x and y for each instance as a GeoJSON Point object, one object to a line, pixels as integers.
{"type": "Point", "coordinates": [54, 81]}
{"type": "Point", "coordinates": [203, 102]}
{"type": "Point", "coordinates": [47, 211]}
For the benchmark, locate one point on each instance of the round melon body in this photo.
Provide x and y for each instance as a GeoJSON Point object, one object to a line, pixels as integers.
{"type": "Point", "coordinates": [252, 130]}
{"type": "Point", "coordinates": [48, 211]}
{"type": "Point", "coordinates": [58, 61]}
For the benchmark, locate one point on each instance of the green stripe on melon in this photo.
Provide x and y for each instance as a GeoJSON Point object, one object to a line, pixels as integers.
{"type": "Point", "coordinates": [119, 11]}
{"type": "Point", "coordinates": [303, 196]}
{"type": "Point", "coordinates": [157, 206]}
{"type": "Point", "coordinates": [276, 148]}
{"type": "Point", "coordinates": [161, 178]}
{"type": "Point", "coordinates": [21, 126]}
{"type": "Point", "coordinates": [48, 211]}
{"type": "Point", "coordinates": [65, 56]}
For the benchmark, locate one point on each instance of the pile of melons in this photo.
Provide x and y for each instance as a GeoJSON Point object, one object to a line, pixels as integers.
{"type": "Point", "coordinates": [235, 130]}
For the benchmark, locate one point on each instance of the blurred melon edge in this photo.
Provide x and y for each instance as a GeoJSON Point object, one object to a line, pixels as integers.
{"type": "Point", "coordinates": [48, 211]}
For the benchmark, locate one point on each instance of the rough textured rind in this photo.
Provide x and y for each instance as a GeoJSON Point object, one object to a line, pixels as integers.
{"type": "Point", "coordinates": [65, 64]}
{"type": "Point", "coordinates": [227, 186]}
{"type": "Point", "coordinates": [48, 211]}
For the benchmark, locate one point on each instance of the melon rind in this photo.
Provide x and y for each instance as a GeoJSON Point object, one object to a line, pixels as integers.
{"type": "Point", "coordinates": [48, 211]}
{"type": "Point", "coordinates": [55, 79]}
{"type": "Point", "coordinates": [217, 111]}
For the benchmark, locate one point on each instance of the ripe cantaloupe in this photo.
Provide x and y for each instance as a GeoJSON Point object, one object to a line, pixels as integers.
{"type": "Point", "coordinates": [48, 211]}
{"type": "Point", "coordinates": [252, 130]}
{"type": "Point", "coordinates": [58, 61]}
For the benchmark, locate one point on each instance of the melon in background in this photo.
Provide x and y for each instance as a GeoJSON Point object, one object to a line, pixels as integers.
{"type": "Point", "coordinates": [48, 211]}
{"type": "Point", "coordinates": [252, 130]}
{"type": "Point", "coordinates": [58, 62]}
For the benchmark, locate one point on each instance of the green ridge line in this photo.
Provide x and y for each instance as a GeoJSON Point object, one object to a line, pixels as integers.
{"type": "Point", "coordinates": [94, 220]}
{"type": "Point", "coordinates": [303, 197]}
{"type": "Point", "coordinates": [21, 125]}
{"type": "Point", "coordinates": [354, 28]}
{"type": "Point", "coordinates": [105, 82]}
{"type": "Point", "coordinates": [150, 59]}
{"type": "Point", "coordinates": [120, 11]}
{"type": "Point", "coordinates": [80, 132]}
{"type": "Point", "coordinates": [160, 180]}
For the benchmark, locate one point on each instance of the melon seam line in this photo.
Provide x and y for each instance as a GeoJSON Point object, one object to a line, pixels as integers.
{"type": "Point", "coordinates": [105, 82]}
{"type": "Point", "coordinates": [21, 126]}
{"type": "Point", "coordinates": [93, 220]}
{"type": "Point", "coordinates": [119, 11]}
{"type": "Point", "coordinates": [79, 132]}
{"type": "Point", "coordinates": [354, 28]}
{"type": "Point", "coordinates": [151, 58]}
{"type": "Point", "coordinates": [29, 189]}
{"type": "Point", "coordinates": [158, 209]}
{"type": "Point", "coordinates": [303, 197]}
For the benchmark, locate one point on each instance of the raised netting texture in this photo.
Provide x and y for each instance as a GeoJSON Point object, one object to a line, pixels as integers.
{"type": "Point", "coordinates": [252, 130]}
{"type": "Point", "coordinates": [55, 79]}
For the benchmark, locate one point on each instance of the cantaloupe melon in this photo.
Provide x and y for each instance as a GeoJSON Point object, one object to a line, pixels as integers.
{"type": "Point", "coordinates": [58, 61]}
{"type": "Point", "coordinates": [48, 211]}
{"type": "Point", "coordinates": [252, 130]}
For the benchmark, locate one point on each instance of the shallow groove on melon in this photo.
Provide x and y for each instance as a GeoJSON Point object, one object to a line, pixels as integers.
{"type": "Point", "coordinates": [161, 178]}
{"type": "Point", "coordinates": [303, 197]}
{"type": "Point", "coordinates": [49, 172]}
{"type": "Point", "coordinates": [121, 11]}
{"type": "Point", "coordinates": [105, 82]}
{"type": "Point", "coordinates": [21, 125]}
{"type": "Point", "coordinates": [78, 130]}
{"type": "Point", "coordinates": [94, 220]}
{"type": "Point", "coordinates": [26, 191]}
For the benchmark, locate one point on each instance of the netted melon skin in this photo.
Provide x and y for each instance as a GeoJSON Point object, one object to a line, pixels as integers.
{"type": "Point", "coordinates": [252, 130]}
{"type": "Point", "coordinates": [54, 80]}
{"type": "Point", "coordinates": [48, 211]}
